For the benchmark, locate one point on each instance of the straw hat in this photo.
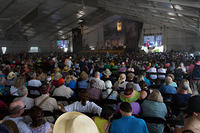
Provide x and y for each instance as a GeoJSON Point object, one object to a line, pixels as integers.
{"type": "Point", "coordinates": [66, 69]}
{"type": "Point", "coordinates": [57, 76]}
{"type": "Point", "coordinates": [75, 122]}
{"type": "Point", "coordinates": [11, 75]}
{"type": "Point", "coordinates": [107, 72]}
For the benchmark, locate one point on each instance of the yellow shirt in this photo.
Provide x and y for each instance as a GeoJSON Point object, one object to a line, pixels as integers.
{"type": "Point", "coordinates": [102, 124]}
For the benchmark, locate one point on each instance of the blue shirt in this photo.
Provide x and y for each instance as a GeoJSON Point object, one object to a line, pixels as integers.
{"type": "Point", "coordinates": [83, 84]}
{"type": "Point", "coordinates": [147, 81]}
{"type": "Point", "coordinates": [168, 89]}
{"type": "Point", "coordinates": [72, 84]}
{"type": "Point", "coordinates": [129, 124]}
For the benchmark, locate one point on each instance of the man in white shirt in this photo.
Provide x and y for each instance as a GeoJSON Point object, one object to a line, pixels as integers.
{"type": "Point", "coordinates": [83, 105]}
{"type": "Point", "coordinates": [16, 109]}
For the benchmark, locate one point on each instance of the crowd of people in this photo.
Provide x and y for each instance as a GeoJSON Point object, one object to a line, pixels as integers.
{"type": "Point", "coordinates": [145, 93]}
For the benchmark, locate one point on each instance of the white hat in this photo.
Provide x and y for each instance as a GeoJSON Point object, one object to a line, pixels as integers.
{"type": "Point", "coordinates": [75, 122]}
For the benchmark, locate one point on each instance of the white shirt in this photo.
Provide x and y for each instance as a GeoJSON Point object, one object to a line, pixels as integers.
{"type": "Point", "coordinates": [162, 70]}
{"type": "Point", "coordinates": [34, 83]}
{"type": "Point", "coordinates": [100, 84]}
{"type": "Point", "coordinates": [153, 70]}
{"type": "Point", "coordinates": [23, 128]}
{"type": "Point", "coordinates": [14, 91]}
{"type": "Point", "coordinates": [137, 87]}
{"type": "Point", "coordinates": [68, 63]}
{"type": "Point", "coordinates": [90, 107]}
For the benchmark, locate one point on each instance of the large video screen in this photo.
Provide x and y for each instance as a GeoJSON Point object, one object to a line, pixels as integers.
{"type": "Point", "coordinates": [62, 44]}
{"type": "Point", "coordinates": [152, 41]}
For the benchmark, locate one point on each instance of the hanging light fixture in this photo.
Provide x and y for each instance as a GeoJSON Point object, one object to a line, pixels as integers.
{"type": "Point", "coordinates": [119, 26]}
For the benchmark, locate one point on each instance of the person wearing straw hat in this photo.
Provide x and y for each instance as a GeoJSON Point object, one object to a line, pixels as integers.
{"type": "Point", "coordinates": [106, 75]}
{"type": "Point", "coordinates": [10, 78]}
{"type": "Point", "coordinates": [75, 122]}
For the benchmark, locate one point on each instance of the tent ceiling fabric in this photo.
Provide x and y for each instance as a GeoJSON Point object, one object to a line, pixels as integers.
{"type": "Point", "coordinates": [53, 19]}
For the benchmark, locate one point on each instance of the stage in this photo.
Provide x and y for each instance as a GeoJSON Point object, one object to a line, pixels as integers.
{"type": "Point", "coordinates": [100, 51]}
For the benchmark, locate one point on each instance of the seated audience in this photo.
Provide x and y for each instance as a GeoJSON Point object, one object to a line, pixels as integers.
{"type": "Point", "coordinates": [18, 82]}
{"type": "Point", "coordinates": [145, 92]}
{"type": "Point", "coordinates": [181, 98]}
{"type": "Point", "coordinates": [110, 93]}
{"type": "Point", "coordinates": [136, 109]}
{"type": "Point", "coordinates": [172, 83]}
{"type": "Point", "coordinates": [153, 106]}
{"type": "Point", "coordinates": [106, 75]}
{"type": "Point", "coordinates": [168, 89]}
{"type": "Point", "coordinates": [62, 90]}
{"type": "Point", "coordinates": [103, 122]}
{"type": "Point", "coordinates": [23, 93]}
{"type": "Point", "coordinates": [121, 83]}
{"type": "Point", "coordinates": [83, 105]}
{"type": "Point", "coordinates": [130, 77]}
{"type": "Point", "coordinates": [94, 92]}
{"type": "Point", "coordinates": [70, 82]}
{"type": "Point", "coordinates": [16, 109]}
{"type": "Point", "coordinates": [38, 124]}
{"type": "Point", "coordinates": [45, 102]}
{"type": "Point", "coordinates": [128, 123]}
{"type": "Point", "coordinates": [82, 82]}
{"type": "Point", "coordinates": [192, 121]}
{"type": "Point", "coordinates": [34, 82]}
{"type": "Point", "coordinates": [99, 83]}
{"type": "Point", "coordinates": [130, 95]}
{"type": "Point", "coordinates": [10, 79]}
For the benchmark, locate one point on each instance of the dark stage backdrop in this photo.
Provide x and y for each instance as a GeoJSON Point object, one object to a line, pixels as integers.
{"type": "Point", "coordinates": [127, 38]}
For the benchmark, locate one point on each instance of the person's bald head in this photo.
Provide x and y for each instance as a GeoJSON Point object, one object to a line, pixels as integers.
{"type": "Point", "coordinates": [16, 107]}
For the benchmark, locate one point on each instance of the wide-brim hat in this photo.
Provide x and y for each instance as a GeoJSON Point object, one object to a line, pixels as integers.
{"type": "Point", "coordinates": [11, 75]}
{"type": "Point", "coordinates": [107, 72]}
{"type": "Point", "coordinates": [57, 76]}
{"type": "Point", "coordinates": [66, 69]}
{"type": "Point", "coordinates": [75, 122]}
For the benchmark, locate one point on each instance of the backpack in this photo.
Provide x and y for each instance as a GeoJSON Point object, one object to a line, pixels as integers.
{"type": "Point", "coordinates": [196, 72]}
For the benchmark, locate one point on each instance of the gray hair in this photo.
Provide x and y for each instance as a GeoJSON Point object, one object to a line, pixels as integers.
{"type": "Point", "coordinates": [22, 91]}
{"type": "Point", "coordinates": [33, 75]}
{"type": "Point", "coordinates": [97, 74]}
{"type": "Point", "coordinates": [15, 110]}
